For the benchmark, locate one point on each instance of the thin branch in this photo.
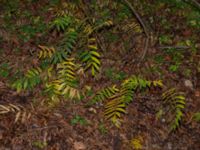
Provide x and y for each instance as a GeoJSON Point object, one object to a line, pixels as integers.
{"type": "Point", "coordinates": [145, 48]}
{"type": "Point", "coordinates": [194, 3]}
{"type": "Point", "coordinates": [143, 26]}
{"type": "Point", "coordinates": [147, 97]}
{"type": "Point", "coordinates": [138, 17]}
{"type": "Point", "coordinates": [175, 47]}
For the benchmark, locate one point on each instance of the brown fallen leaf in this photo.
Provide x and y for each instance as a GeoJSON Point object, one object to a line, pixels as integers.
{"type": "Point", "coordinates": [197, 93]}
{"type": "Point", "coordinates": [79, 146]}
{"type": "Point", "coordinates": [187, 33]}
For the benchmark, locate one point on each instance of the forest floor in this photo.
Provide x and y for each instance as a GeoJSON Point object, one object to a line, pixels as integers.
{"type": "Point", "coordinates": [173, 56]}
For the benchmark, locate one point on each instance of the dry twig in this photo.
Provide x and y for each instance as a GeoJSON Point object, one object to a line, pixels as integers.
{"type": "Point", "coordinates": [194, 3]}
{"type": "Point", "coordinates": [143, 26]}
{"type": "Point", "coordinates": [176, 47]}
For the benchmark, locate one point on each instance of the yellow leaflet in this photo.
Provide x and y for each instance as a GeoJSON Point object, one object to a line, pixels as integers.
{"type": "Point", "coordinates": [88, 29]}
{"type": "Point", "coordinates": [118, 114]}
{"type": "Point", "coordinates": [92, 40]}
{"type": "Point", "coordinates": [39, 69]}
{"type": "Point", "coordinates": [180, 101]}
{"type": "Point", "coordinates": [109, 22]}
{"type": "Point", "coordinates": [78, 95]}
{"type": "Point", "coordinates": [180, 106]}
{"type": "Point", "coordinates": [49, 70]}
{"type": "Point", "coordinates": [29, 74]}
{"type": "Point", "coordinates": [95, 66]}
{"type": "Point", "coordinates": [88, 66]}
{"type": "Point", "coordinates": [180, 97]}
{"type": "Point", "coordinates": [168, 92]}
{"type": "Point", "coordinates": [61, 86]}
{"type": "Point", "coordinates": [115, 89]}
{"type": "Point", "coordinates": [35, 72]}
{"type": "Point", "coordinates": [95, 53]}
{"type": "Point", "coordinates": [68, 64]}
{"type": "Point", "coordinates": [96, 60]}
{"type": "Point", "coordinates": [70, 71]}
{"type": "Point", "coordinates": [40, 54]}
{"type": "Point", "coordinates": [109, 114]}
{"type": "Point", "coordinates": [114, 102]}
{"type": "Point", "coordinates": [93, 47]}
{"type": "Point", "coordinates": [136, 143]}
{"type": "Point", "coordinates": [158, 83]}
{"type": "Point", "coordinates": [121, 110]}
{"type": "Point", "coordinates": [116, 121]}
{"type": "Point", "coordinates": [66, 90]}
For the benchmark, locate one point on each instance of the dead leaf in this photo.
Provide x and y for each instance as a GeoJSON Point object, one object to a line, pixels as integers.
{"type": "Point", "coordinates": [92, 110]}
{"type": "Point", "coordinates": [187, 33]}
{"type": "Point", "coordinates": [197, 93]}
{"type": "Point", "coordinates": [189, 84]}
{"type": "Point", "coordinates": [79, 146]}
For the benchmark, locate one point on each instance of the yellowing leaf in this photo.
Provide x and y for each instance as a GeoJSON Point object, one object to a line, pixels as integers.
{"type": "Point", "coordinates": [93, 47]}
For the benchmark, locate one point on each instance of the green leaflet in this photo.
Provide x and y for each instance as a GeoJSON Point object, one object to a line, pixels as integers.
{"type": "Point", "coordinates": [91, 57]}
{"type": "Point", "coordinates": [176, 102]}
{"type": "Point", "coordinates": [120, 98]}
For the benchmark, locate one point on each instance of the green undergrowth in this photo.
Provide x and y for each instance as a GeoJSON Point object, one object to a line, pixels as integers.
{"type": "Point", "coordinates": [68, 50]}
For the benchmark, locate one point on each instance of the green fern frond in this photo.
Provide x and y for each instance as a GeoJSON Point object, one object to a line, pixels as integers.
{"type": "Point", "coordinates": [45, 52]}
{"type": "Point", "coordinates": [67, 90]}
{"type": "Point", "coordinates": [117, 105]}
{"type": "Point", "coordinates": [177, 104]}
{"type": "Point", "coordinates": [114, 109]}
{"type": "Point", "coordinates": [30, 79]}
{"type": "Point", "coordinates": [58, 57]}
{"type": "Point", "coordinates": [18, 85]}
{"type": "Point", "coordinates": [135, 82]}
{"type": "Point", "coordinates": [52, 88]}
{"type": "Point", "coordinates": [91, 58]}
{"type": "Point", "coordinates": [69, 40]}
{"type": "Point", "coordinates": [31, 73]}
{"type": "Point", "coordinates": [124, 96]}
{"type": "Point", "coordinates": [65, 48]}
{"type": "Point", "coordinates": [104, 94]}
{"type": "Point", "coordinates": [52, 91]}
{"type": "Point", "coordinates": [66, 71]}
{"type": "Point", "coordinates": [67, 82]}
{"type": "Point", "coordinates": [61, 23]}
{"type": "Point", "coordinates": [72, 93]}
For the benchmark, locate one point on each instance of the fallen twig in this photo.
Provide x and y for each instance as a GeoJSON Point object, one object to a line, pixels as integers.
{"type": "Point", "coordinates": [176, 47]}
{"type": "Point", "coordinates": [143, 26]}
{"type": "Point", "coordinates": [194, 3]}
